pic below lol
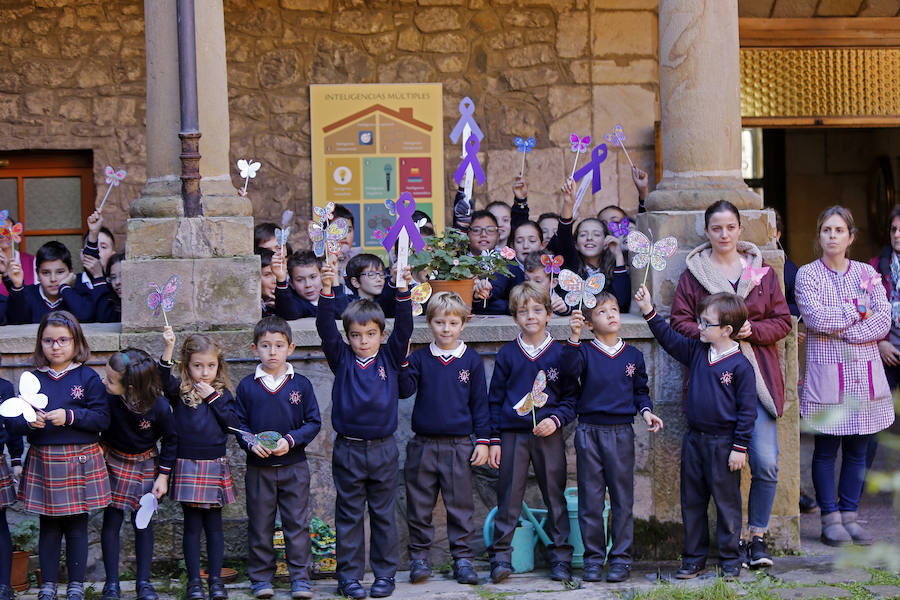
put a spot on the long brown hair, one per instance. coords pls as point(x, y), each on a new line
point(140, 378)
point(843, 213)
point(193, 344)
point(61, 318)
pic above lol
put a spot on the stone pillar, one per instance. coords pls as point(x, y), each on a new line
point(212, 254)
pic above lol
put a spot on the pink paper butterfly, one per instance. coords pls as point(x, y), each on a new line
point(619, 229)
point(4, 215)
point(536, 398)
point(753, 274)
point(163, 299)
point(868, 280)
point(114, 177)
point(580, 144)
point(616, 137)
point(380, 234)
point(581, 290)
point(551, 264)
point(12, 234)
point(653, 254)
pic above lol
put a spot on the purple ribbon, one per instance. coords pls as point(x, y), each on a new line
point(593, 165)
point(466, 110)
point(405, 206)
point(471, 158)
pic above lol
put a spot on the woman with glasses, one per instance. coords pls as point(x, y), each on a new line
point(726, 264)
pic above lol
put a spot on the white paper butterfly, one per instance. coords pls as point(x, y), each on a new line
point(145, 512)
point(29, 398)
point(248, 169)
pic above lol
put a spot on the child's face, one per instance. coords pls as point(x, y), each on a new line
point(589, 242)
point(532, 318)
point(605, 318)
point(269, 244)
point(503, 214)
point(272, 350)
point(483, 234)
point(538, 276)
point(611, 215)
point(115, 278)
point(712, 332)
point(112, 379)
point(527, 241)
point(58, 344)
point(307, 281)
point(204, 366)
point(365, 339)
point(446, 327)
point(370, 282)
point(549, 227)
point(51, 274)
point(267, 283)
point(106, 248)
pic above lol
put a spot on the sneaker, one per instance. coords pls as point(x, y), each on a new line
point(730, 573)
point(618, 573)
point(262, 589)
point(464, 572)
point(759, 558)
point(145, 591)
point(419, 570)
point(195, 590)
point(47, 591)
point(301, 588)
point(217, 590)
point(75, 590)
point(111, 591)
point(6, 592)
point(689, 571)
point(561, 571)
point(382, 588)
point(500, 571)
point(743, 553)
point(592, 572)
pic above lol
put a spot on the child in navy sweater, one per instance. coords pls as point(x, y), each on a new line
point(451, 405)
point(491, 295)
point(534, 437)
point(276, 399)
point(53, 292)
point(364, 415)
point(140, 417)
point(14, 445)
point(204, 412)
point(720, 408)
point(613, 390)
point(65, 476)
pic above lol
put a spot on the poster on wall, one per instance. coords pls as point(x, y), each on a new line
point(371, 143)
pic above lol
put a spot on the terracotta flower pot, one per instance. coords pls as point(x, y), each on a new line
point(464, 287)
point(18, 579)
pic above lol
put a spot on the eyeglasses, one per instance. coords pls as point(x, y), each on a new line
point(373, 274)
point(479, 230)
point(704, 325)
point(62, 342)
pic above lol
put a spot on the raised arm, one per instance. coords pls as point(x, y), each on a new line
point(332, 343)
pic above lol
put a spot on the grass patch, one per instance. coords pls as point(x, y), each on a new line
point(491, 595)
point(882, 577)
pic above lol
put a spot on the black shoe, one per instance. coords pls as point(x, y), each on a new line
point(618, 573)
point(382, 588)
point(145, 591)
point(217, 590)
point(47, 591)
point(419, 570)
point(111, 591)
point(500, 571)
point(592, 572)
point(6, 592)
point(464, 572)
point(807, 504)
point(689, 571)
point(351, 589)
point(759, 558)
point(561, 571)
point(75, 590)
point(729, 573)
point(744, 553)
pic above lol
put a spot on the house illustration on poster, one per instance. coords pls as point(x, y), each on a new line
point(378, 130)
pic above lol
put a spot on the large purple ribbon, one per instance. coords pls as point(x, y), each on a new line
point(471, 158)
point(466, 110)
point(405, 206)
point(593, 165)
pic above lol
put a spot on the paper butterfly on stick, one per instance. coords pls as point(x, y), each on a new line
point(647, 254)
point(420, 295)
point(324, 214)
point(752, 273)
point(579, 145)
point(391, 206)
point(281, 235)
point(619, 229)
point(524, 146)
point(536, 398)
point(552, 264)
point(148, 503)
point(617, 138)
point(27, 401)
point(4, 215)
point(113, 178)
point(581, 291)
point(163, 300)
point(12, 235)
point(867, 282)
point(328, 240)
point(266, 439)
point(248, 171)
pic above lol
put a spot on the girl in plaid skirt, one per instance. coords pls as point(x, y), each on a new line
point(64, 475)
point(13, 443)
point(142, 416)
point(204, 411)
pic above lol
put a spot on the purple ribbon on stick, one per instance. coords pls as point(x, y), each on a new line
point(405, 207)
point(466, 110)
point(471, 158)
point(593, 165)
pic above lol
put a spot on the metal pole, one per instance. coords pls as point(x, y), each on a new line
point(190, 127)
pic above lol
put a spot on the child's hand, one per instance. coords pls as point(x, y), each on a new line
point(92, 265)
point(576, 323)
point(641, 182)
point(737, 460)
point(482, 289)
point(169, 339)
point(653, 422)
point(405, 278)
point(281, 448)
point(70, 280)
point(568, 190)
point(260, 450)
point(520, 188)
point(16, 275)
point(204, 389)
point(39, 421)
point(279, 265)
point(160, 486)
point(544, 428)
point(329, 276)
point(557, 304)
point(614, 245)
point(494, 457)
point(642, 297)
point(94, 223)
point(56, 417)
point(479, 455)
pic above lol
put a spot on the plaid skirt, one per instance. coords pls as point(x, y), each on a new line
point(203, 483)
point(7, 486)
point(64, 479)
point(130, 476)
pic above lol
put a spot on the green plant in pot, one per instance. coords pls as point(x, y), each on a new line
point(451, 267)
point(24, 540)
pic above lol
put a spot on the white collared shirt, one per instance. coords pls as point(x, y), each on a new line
point(448, 354)
point(611, 350)
point(535, 351)
point(47, 300)
point(717, 356)
point(271, 382)
point(58, 374)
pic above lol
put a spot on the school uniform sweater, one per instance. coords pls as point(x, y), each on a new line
point(498, 301)
point(28, 305)
point(613, 386)
point(82, 395)
point(721, 394)
point(133, 433)
point(107, 304)
point(451, 396)
point(292, 305)
point(513, 378)
point(12, 441)
point(365, 393)
point(202, 430)
point(618, 282)
point(291, 410)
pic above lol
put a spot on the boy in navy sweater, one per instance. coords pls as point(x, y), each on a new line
point(364, 415)
point(613, 389)
point(275, 398)
point(491, 295)
point(720, 408)
point(451, 405)
point(534, 437)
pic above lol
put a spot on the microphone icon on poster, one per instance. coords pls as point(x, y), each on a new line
point(342, 175)
point(387, 177)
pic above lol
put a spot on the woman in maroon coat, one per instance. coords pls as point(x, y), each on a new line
point(725, 264)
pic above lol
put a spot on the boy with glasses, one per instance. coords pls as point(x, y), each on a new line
point(366, 277)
